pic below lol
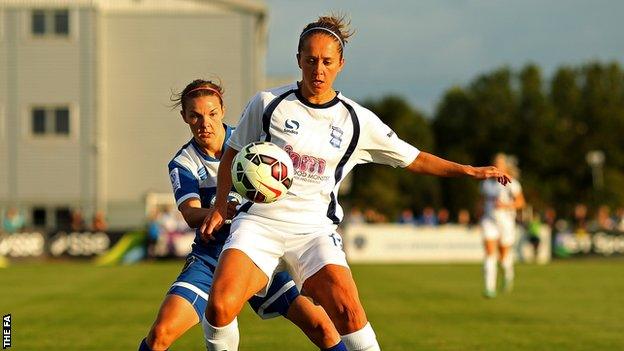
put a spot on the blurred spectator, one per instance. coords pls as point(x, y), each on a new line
point(428, 217)
point(372, 216)
point(619, 219)
point(355, 216)
point(579, 221)
point(13, 221)
point(98, 223)
point(153, 232)
point(463, 217)
point(407, 216)
point(77, 223)
point(533, 230)
point(443, 216)
point(603, 220)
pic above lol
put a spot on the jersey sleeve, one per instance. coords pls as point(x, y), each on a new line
point(380, 144)
point(249, 127)
point(184, 183)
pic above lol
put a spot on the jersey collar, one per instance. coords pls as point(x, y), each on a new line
point(305, 101)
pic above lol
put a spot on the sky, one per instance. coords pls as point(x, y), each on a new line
point(419, 48)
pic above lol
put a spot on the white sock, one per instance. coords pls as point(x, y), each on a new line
point(489, 272)
point(221, 338)
point(361, 340)
point(508, 267)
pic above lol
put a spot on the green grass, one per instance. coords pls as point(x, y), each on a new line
point(575, 305)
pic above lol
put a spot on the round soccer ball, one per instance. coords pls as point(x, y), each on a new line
point(262, 172)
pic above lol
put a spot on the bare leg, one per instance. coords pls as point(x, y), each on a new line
point(175, 317)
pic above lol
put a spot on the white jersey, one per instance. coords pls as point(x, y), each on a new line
point(494, 192)
point(324, 142)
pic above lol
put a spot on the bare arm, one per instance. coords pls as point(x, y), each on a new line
point(426, 163)
point(224, 184)
point(193, 213)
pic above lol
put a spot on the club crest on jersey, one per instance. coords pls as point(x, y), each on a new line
point(291, 126)
point(336, 137)
point(202, 173)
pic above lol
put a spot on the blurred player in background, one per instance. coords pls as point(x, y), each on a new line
point(326, 135)
point(193, 177)
point(500, 205)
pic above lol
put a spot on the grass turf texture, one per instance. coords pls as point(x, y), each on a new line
point(574, 305)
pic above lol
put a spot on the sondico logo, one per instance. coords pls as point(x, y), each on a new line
point(291, 126)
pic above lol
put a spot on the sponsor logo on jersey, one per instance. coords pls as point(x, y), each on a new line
point(203, 174)
point(307, 168)
point(175, 179)
point(291, 126)
point(336, 137)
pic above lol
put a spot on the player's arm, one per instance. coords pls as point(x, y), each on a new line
point(193, 213)
point(426, 163)
point(224, 184)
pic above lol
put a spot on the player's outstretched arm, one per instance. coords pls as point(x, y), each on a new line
point(426, 163)
point(224, 184)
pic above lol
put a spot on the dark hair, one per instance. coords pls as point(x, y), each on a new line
point(336, 23)
point(194, 89)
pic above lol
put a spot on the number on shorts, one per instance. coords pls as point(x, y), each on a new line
point(336, 239)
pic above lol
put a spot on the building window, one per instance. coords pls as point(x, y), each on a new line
point(50, 121)
point(50, 22)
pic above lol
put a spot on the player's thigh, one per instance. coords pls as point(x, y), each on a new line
point(507, 228)
point(489, 230)
point(237, 278)
point(281, 294)
point(333, 288)
point(175, 317)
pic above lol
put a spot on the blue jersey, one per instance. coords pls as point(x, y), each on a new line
point(193, 174)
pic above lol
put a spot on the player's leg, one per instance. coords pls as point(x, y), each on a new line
point(318, 260)
point(333, 288)
point(490, 242)
point(183, 306)
point(175, 317)
point(283, 298)
point(237, 279)
point(508, 231)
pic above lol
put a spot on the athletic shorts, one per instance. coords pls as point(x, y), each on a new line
point(502, 229)
point(268, 244)
point(196, 278)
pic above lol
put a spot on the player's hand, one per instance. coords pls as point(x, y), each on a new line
point(213, 222)
point(491, 172)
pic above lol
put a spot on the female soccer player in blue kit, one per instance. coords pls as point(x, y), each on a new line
point(193, 173)
point(331, 135)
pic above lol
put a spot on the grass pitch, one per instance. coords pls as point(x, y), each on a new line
point(573, 305)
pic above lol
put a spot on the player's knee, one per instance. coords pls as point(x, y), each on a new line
point(222, 309)
point(160, 337)
point(351, 318)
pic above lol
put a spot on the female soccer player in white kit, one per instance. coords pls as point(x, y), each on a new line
point(498, 225)
point(326, 135)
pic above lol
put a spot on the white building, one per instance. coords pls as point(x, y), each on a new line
point(85, 120)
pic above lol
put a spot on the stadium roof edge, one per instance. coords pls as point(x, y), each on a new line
point(256, 7)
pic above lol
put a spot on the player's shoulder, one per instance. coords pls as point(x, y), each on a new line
point(363, 113)
point(184, 157)
point(272, 93)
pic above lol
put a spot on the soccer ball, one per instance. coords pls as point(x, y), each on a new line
point(262, 172)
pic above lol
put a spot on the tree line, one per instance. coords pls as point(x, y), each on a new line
point(549, 126)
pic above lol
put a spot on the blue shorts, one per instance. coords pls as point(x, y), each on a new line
point(196, 278)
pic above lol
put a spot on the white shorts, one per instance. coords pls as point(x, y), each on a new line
point(501, 229)
point(270, 243)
